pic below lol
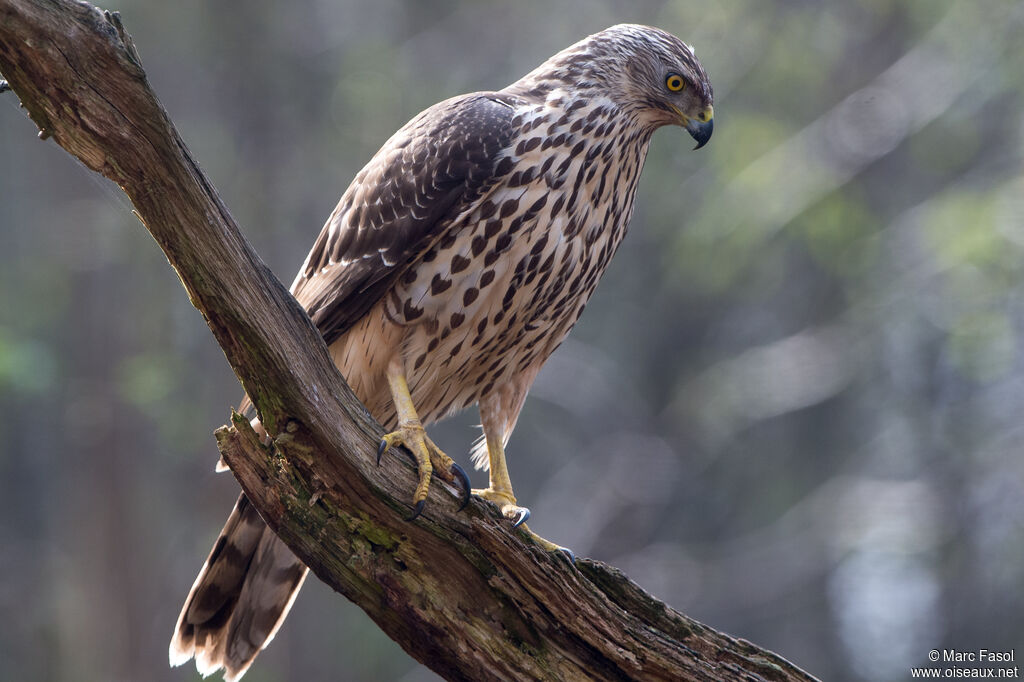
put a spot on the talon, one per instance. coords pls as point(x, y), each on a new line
point(568, 555)
point(386, 443)
point(463, 478)
point(417, 510)
point(524, 514)
point(428, 458)
point(429, 461)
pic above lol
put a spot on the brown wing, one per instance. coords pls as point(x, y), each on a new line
point(431, 171)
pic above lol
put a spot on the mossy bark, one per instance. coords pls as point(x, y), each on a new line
point(460, 592)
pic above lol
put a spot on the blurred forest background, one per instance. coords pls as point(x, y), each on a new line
point(794, 408)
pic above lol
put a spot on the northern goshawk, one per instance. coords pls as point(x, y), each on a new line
point(453, 266)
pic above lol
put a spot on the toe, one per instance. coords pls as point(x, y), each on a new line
point(442, 463)
point(417, 510)
point(393, 439)
point(519, 517)
point(429, 460)
point(463, 479)
point(550, 546)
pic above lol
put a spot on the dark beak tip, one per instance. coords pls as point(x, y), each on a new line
point(701, 132)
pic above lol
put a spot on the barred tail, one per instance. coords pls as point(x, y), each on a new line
point(240, 597)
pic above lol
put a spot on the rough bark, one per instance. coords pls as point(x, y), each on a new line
point(460, 592)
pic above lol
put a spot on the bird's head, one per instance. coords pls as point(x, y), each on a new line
point(662, 80)
point(651, 75)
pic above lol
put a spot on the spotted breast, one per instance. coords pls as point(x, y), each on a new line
point(489, 302)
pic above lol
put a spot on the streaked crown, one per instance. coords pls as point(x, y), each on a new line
point(646, 71)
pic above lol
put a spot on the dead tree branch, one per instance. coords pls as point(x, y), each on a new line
point(460, 592)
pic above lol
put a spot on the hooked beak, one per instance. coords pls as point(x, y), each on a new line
point(701, 128)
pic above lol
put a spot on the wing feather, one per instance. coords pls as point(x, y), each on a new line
point(429, 173)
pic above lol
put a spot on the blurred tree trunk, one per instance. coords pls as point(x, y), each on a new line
point(461, 592)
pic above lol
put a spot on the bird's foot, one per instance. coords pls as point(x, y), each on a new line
point(429, 459)
point(506, 502)
point(518, 515)
point(548, 545)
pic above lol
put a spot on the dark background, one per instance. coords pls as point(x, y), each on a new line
point(793, 408)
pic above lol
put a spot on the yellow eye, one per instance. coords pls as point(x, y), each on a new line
point(674, 82)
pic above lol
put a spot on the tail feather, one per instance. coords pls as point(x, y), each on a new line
point(240, 597)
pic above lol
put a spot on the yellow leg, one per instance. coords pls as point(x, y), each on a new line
point(429, 458)
point(500, 492)
point(500, 489)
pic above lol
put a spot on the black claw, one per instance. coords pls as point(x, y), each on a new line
point(381, 449)
point(417, 510)
point(462, 477)
point(4, 86)
point(523, 516)
point(568, 554)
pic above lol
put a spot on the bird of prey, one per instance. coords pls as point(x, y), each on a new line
point(453, 266)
